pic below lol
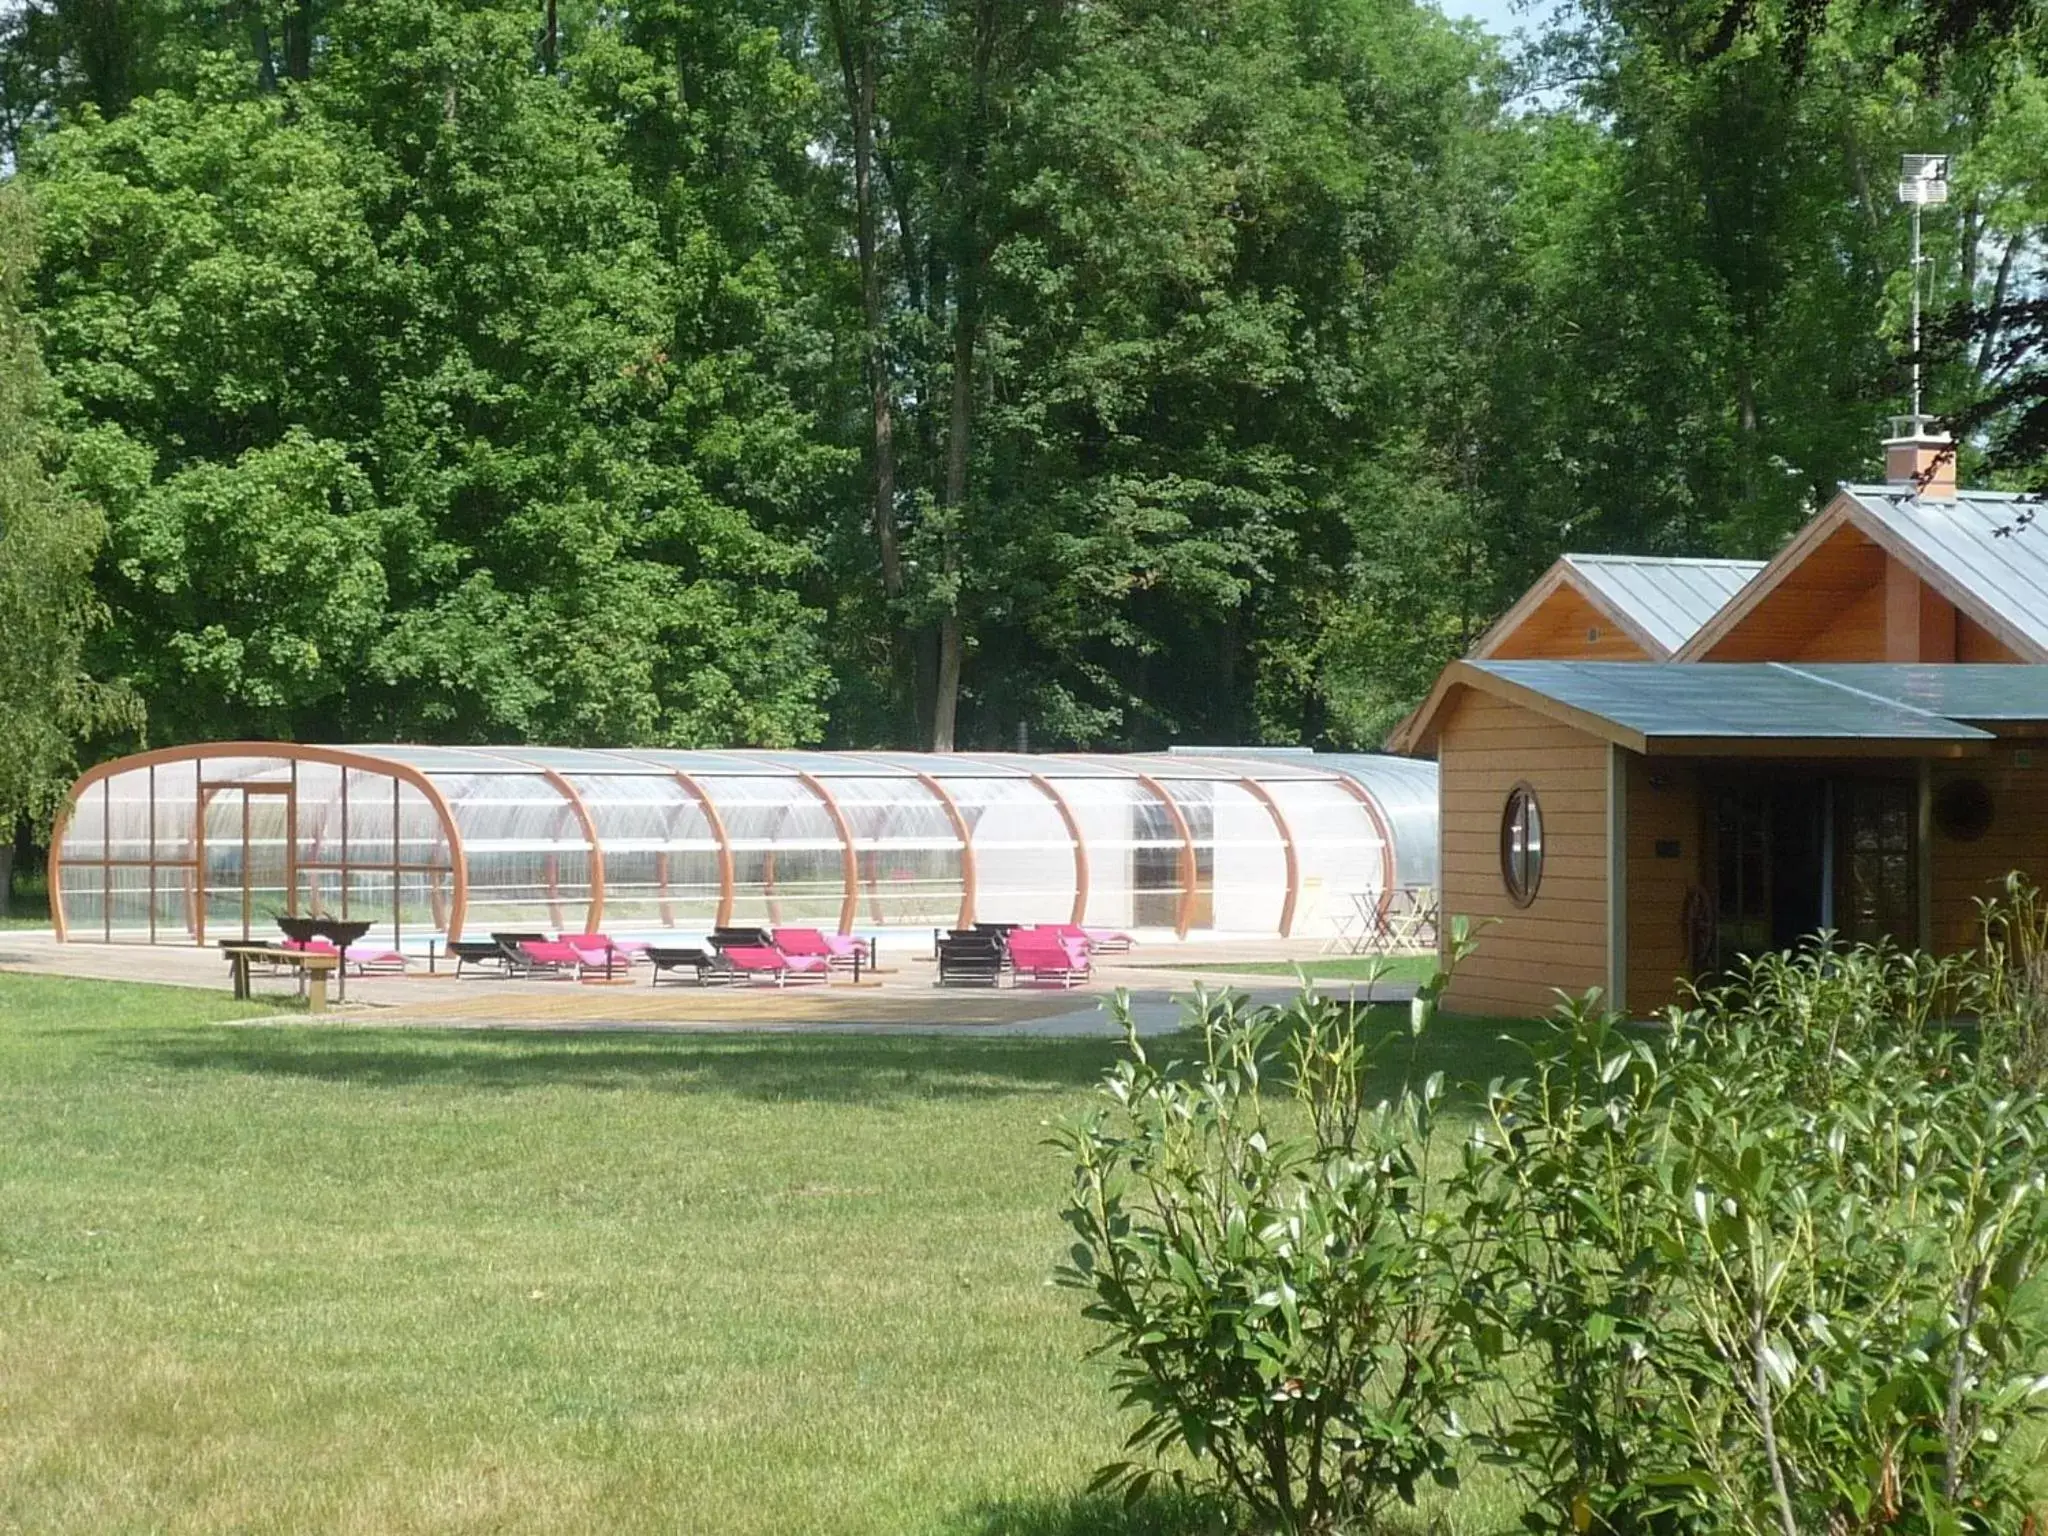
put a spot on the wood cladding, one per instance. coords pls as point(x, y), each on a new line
point(1560, 939)
point(1566, 626)
point(2017, 839)
point(1849, 600)
point(1663, 808)
point(1814, 596)
point(1976, 643)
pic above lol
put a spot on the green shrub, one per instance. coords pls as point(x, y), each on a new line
point(1778, 1271)
point(1288, 1298)
point(1773, 1268)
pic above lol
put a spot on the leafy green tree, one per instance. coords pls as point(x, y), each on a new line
point(49, 539)
point(393, 384)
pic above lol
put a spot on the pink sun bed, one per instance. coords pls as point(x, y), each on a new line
point(761, 963)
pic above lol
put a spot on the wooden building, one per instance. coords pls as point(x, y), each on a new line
point(1623, 825)
point(1912, 570)
point(1849, 744)
point(1614, 608)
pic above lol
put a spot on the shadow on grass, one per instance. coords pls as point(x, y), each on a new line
point(837, 1069)
point(849, 1069)
point(1157, 1514)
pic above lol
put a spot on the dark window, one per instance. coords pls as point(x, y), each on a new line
point(1521, 845)
point(1962, 810)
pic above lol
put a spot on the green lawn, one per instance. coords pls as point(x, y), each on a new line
point(291, 1277)
point(1392, 969)
point(28, 905)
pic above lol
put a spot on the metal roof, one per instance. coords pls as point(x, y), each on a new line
point(2005, 572)
point(1673, 702)
point(1980, 692)
point(1669, 599)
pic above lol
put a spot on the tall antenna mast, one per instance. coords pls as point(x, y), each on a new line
point(1923, 183)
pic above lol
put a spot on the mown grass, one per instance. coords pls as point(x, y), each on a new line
point(287, 1277)
point(28, 905)
point(1392, 969)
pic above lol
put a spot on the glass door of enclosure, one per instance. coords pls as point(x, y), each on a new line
point(246, 878)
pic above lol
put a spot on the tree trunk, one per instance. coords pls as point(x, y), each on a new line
point(959, 437)
point(299, 23)
point(857, 67)
point(966, 338)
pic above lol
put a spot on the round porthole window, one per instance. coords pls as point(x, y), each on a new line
point(1521, 845)
point(1962, 810)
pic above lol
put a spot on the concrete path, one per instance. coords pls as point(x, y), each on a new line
point(901, 999)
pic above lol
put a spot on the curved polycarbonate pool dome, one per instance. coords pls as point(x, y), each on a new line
point(192, 844)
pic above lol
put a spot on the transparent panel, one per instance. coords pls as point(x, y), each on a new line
point(1247, 875)
point(1024, 863)
point(128, 902)
point(908, 850)
point(661, 854)
point(1342, 856)
point(177, 911)
point(243, 886)
point(1134, 851)
point(529, 862)
point(788, 860)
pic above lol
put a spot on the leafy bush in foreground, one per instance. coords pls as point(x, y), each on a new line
point(1774, 1269)
point(1290, 1298)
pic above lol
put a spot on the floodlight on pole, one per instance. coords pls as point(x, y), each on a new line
point(1923, 183)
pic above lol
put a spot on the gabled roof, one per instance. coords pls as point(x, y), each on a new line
point(1668, 598)
point(1657, 601)
point(1753, 708)
point(2005, 572)
point(1999, 579)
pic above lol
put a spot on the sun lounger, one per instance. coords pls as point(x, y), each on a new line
point(629, 951)
point(1046, 956)
point(704, 966)
point(766, 963)
point(841, 952)
point(1106, 940)
point(379, 958)
point(743, 938)
point(546, 957)
point(478, 952)
point(970, 959)
point(601, 955)
point(516, 963)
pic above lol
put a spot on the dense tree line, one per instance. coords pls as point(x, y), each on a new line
point(909, 371)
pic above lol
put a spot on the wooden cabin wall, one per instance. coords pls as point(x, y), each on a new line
point(1567, 627)
point(1976, 643)
point(1817, 596)
point(2017, 776)
point(1663, 831)
point(1856, 633)
point(1487, 747)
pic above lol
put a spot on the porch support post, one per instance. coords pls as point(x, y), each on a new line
point(1617, 878)
point(1923, 856)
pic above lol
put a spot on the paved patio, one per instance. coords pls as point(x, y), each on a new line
point(902, 997)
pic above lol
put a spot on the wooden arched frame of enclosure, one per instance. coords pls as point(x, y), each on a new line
point(849, 861)
point(962, 834)
point(1073, 826)
point(1386, 835)
point(716, 823)
point(593, 913)
point(1264, 796)
point(287, 752)
point(1184, 915)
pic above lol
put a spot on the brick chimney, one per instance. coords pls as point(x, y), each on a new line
point(1920, 458)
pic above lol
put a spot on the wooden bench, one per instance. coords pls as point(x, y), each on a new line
point(314, 967)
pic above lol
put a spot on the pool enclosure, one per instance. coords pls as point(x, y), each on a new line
point(198, 843)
